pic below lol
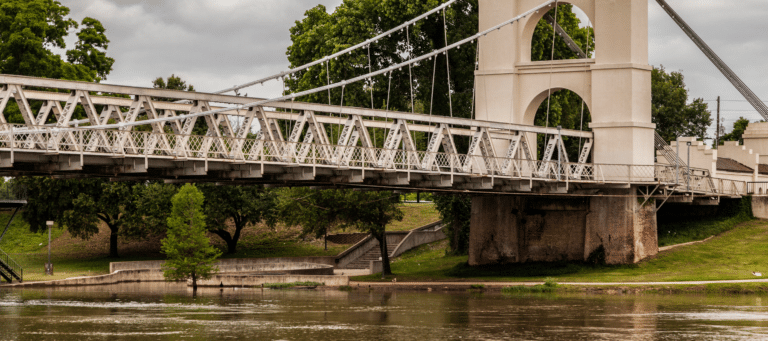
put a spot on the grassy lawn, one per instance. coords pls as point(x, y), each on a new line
point(416, 215)
point(729, 256)
point(695, 230)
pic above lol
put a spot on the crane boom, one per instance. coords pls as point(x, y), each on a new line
point(732, 77)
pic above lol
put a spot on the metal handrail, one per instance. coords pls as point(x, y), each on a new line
point(15, 269)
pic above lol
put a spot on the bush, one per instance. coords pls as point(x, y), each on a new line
point(521, 289)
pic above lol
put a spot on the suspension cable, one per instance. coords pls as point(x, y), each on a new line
point(410, 69)
point(586, 63)
point(263, 102)
point(551, 64)
point(341, 106)
point(432, 94)
point(370, 84)
point(370, 70)
point(448, 65)
point(474, 86)
point(343, 52)
point(328, 73)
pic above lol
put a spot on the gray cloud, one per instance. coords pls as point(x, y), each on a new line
point(211, 44)
point(216, 44)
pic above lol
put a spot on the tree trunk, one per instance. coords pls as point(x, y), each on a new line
point(455, 225)
point(194, 283)
point(239, 226)
point(385, 269)
point(113, 228)
point(231, 242)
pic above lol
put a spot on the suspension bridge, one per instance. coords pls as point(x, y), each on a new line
point(525, 199)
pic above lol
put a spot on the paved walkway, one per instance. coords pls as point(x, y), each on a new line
point(506, 284)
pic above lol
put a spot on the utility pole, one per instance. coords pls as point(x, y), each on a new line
point(717, 126)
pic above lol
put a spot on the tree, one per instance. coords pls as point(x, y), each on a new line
point(29, 29)
point(79, 205)
point(151, 202)
point(176, 83)
point(673, 115)
point(190, 254)
point(455, 211)
point(319, 211)
point(316, 211)
point(371, 212)
point(172, 83)
point(90, 50)
point(739, 127)
point(243, 205)
point(321, 34)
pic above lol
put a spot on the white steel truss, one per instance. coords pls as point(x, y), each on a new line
point(307, 143)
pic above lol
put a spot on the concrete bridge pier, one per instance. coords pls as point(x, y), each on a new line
point(516, 229)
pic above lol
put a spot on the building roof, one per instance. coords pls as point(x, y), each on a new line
point(762, 169)
point(731, 165)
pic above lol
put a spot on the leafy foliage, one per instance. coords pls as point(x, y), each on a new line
point(151, 205)
point(673, 115)
point(739, 127)
point(90, 50)
point(455, 210)
point(190, 254)
point(132, 210)
point(318, 211)
point(243, 205)
point(176, 83)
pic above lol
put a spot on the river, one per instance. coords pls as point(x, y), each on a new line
point(160, 311)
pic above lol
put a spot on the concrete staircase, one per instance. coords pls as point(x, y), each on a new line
point(373, 254)
point(361, 255)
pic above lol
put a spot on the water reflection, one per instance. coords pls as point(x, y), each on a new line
point(165, 311)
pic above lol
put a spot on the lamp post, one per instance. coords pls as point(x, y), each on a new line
point(49, 266)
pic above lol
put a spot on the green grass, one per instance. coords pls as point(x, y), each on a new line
point(731, 213)
point(696, 230)
point(18, 239)
point(292, 285)
point(274, 244)
point(730, 256)
point(416, 215)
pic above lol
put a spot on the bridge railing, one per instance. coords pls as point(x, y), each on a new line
point(224, 148)
point(15, 269)
point(759, 188)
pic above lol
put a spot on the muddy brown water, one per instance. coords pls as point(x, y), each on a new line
point(160, 311)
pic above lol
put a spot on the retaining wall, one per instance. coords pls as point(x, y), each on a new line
point(227, 265)
point(122, 276)
point(245, 280)
point(417, 238)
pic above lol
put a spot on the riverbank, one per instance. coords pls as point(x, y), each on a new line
point(732, 255)
point(755, 287)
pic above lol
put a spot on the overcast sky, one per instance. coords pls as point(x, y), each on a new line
point(217, 44)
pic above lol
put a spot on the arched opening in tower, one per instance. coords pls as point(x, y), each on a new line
point(574, 36)
point(566, 109)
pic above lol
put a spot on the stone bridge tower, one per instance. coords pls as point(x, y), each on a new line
point(616, 87)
